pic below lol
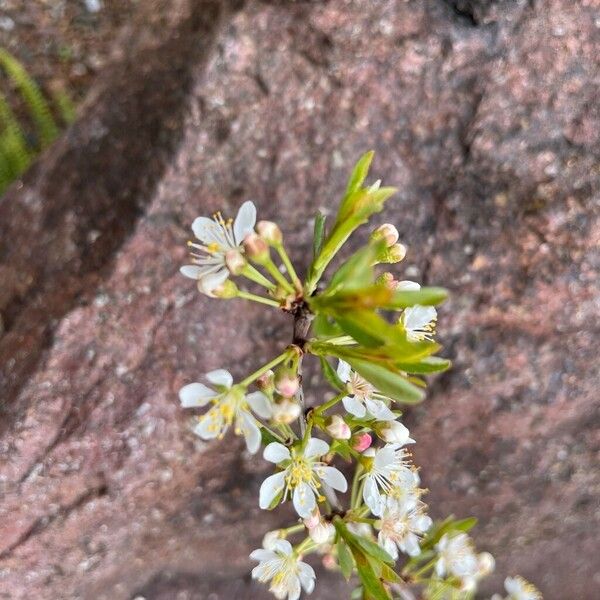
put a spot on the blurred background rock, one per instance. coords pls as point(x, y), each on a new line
point(483, 113)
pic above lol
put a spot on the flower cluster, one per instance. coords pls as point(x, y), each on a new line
point(343, 463)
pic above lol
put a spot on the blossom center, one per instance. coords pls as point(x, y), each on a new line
point(300, 471)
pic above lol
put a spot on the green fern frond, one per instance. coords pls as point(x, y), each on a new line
point(15, 156)
point(33, 98)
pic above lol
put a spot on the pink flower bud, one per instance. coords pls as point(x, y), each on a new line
point(338, 429)
point(287, 385)
point(256, 248)
point(361, 442)
point(329, 562)
point(386, 232)
point(270, 232)
point(235, 261)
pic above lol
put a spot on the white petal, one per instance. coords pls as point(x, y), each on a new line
point(282, 546)
point(244, 222)
point(210, 425)
point(276, 453)
point(250, 430)
point(333, 477)
point(379, 410)
point(440, 567)
point(423, 523)
point(388, 545)
point(263, 555)
point(343, 371)
point(316, 448)
point(269, 489)
point(411, 545)
point(416, 317)
point(407, 286)
point(207, 284)
point(371, 496)
point(293, 588)
point(304, 500)
point(220, 377)
point(207, 231)
point(191, 271)
point(195, 394)
point(306, 574)
point(260, 404)
point(354, 406)
point(384, 457)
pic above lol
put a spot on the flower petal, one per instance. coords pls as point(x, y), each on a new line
point(293, 588)
point(304, 500)
point(282, 546)
point(207, 231)
point(207, 284)
point(379, 410)
point(276, 453)
point(260, 404)
point(269, 489)
point(195, 394)
point(220, 377)
point(333, 477)
point(210, 425)
point(416, 317)
point(388, 545)
point(354, 406)
point(244, 222)
point(371, 496)
point(191, 271)
point(411, 544)
point(251, 431)
point(263, 555)
point(343, 371)
point(306, 574)
point(316, 448)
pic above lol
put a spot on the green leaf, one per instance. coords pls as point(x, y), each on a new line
point(430, 364)
point(427, 296)
point(319, 233)
point(464, 525)
point(360, 172)
point(324, 326)
point(373, 549)
point(330, 375)
point(345, 559)
point(369, 579)
point(387, 382)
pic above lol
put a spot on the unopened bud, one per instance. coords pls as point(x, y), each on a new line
point(394, 432)
point(387, 232)
point(235, 261)
point(256, 248)
point(485, 564)
point(270, 232)
point(286, 411)
point(226, 290)
point(408, 286)
point(394, 254)
point(338, 429)
point(361, 442)
point(265, 382)
point(206, 285)
point(387, 279)
point(329, 562)
point(286, 382)
point(319, 530)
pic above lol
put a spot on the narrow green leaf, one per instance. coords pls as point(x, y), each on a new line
point(360, 172)
point(369, 579)
point(373, 549)
point(430, 364)
point(427, 296)
point(319, 233)
point(330, 375)
point(345, 559)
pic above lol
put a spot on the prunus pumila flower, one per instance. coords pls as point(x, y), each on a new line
point(341, 459)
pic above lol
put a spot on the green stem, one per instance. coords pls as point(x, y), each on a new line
point(285, 259)
point(356, 486)
point(429, 565)
point(277, 275)
point(275, 435)
point(254, 275)
point(257, 298)
point(279, 359)
point(330, 403)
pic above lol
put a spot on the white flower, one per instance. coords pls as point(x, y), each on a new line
point(218, 237)
point(363, 396)
point(280, 565)
point(457, 557)
point(301, 477)
point(389, 469)
point(520, 589)
point(230, 406)
point(419, 322)
point(402, 525)
point(394, 432)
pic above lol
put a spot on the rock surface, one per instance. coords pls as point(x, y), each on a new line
point(482, 113)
